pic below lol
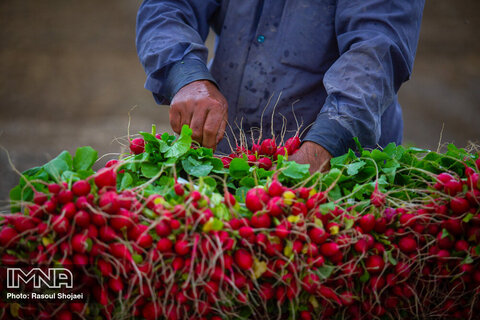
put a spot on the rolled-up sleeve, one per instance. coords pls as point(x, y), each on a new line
point(172, 33)
point(377, 41)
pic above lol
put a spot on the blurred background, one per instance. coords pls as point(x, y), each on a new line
point(70, 77)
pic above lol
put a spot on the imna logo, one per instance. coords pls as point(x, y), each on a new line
point(53, 278)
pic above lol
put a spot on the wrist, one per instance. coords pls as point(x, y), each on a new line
point(186, 72)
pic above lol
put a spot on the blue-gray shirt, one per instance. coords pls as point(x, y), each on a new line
point(333, 67)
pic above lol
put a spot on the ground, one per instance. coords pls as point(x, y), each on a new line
point(69, 77)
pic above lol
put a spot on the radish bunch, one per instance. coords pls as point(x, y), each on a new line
point(261, 155)
point(387, 234)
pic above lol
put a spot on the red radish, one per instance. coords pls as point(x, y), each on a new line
point(111, 163)
point(174, 224)
point(367, 222)
point(251, 158)
point(473, 196)
point(243, 259)
point(115, 284)
point(292, 144)
point(361, 246)
point(122, 220)
point(8, 259)
point(60, 224)
point(347, 298)
point(54, 188)
point(68, 210)
point(256, 149)
point(107, 234)
point(444, 177)
point(108, 202)
point(305, 315)
point(104, 267)
point(8, 237)
point(461, 245)
point(226, 162)
point(318, 235)
point(311, 282)
point(63, 315)
point(329, 249)
point(182, 247)
point(299, 208)
point(377, 283)
point(152, 311)
point(229, 200)
point(137, 146)
point(256, 199)
point(374, 264)
point(282, 231)
point(77, 307)
point(179, 190)
point(452, 187)
point(407, 219)
point(459, 205)
point(380, 225)
point(80, 243)
point(106, 177)
point(164, 245)
point(81, 188)
point(281, 151)
point(473, 181)
point(39, 198)
point(98, 219)
point(135, 231)
point(163, 228)
point(261, 221)
point(275, 206)
point(328, 294)
point(378, 248)
point(119, 250)
point(303, 193)
point(145, 240)
point(377, 198)
point(178, 263)
point(245, 232)
point(50, 206)
point(454, 226)
point(443, 255)
point(268, 147)
point(80, 260)
point(265, 163)
point(65, 196)
point(297, 246)
point(407, 244)
point(22, 223)
point(82, 203)
point(267, 291)
point(275, 189)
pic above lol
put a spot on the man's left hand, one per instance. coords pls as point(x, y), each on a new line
point(314, 154)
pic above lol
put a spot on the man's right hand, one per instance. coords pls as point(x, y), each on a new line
point(200, 105)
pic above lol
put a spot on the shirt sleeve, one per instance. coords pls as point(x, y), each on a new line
point(171, 35)
point(377, 41)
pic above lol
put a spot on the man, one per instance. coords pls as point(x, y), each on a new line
point(332, 66)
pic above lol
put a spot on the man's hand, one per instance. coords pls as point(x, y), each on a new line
point(200, 105)
point(314, 154)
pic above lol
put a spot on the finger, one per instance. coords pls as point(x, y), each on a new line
point(175, 119)
point(221, 130)
point(213, 125)
point(197, 124)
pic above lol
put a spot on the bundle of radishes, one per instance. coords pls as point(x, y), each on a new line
point(172, 232)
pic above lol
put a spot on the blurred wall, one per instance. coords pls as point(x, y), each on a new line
point(69, 76)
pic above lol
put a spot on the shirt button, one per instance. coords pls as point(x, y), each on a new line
point(260, 39)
